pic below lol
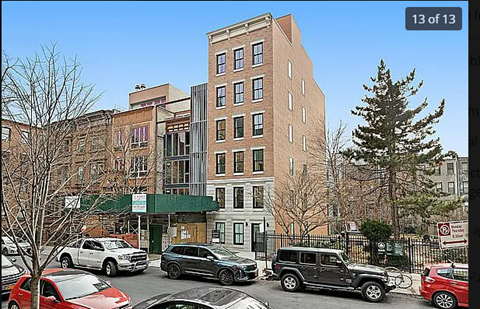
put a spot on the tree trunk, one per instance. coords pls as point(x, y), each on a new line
point(35, 290)
point(392, 187)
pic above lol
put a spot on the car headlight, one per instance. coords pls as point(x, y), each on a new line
point(124, 257)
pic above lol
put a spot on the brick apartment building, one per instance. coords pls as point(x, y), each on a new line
point(262, 102)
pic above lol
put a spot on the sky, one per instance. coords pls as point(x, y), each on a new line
point(120, 44)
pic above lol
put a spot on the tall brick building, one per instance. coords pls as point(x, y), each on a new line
point(262, 103)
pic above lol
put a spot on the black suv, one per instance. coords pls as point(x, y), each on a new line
point(300, 267)
point(207, 260)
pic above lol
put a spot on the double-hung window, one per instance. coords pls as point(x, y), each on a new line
point(238, 63)
point(238, 233)
point(221, 96)
point(238, 126)
point(238, 87)
point(220, 197)
point(257, 53)
point(139, 137)
point(258, 88)
point(238, 160)
point(6, 133)
point(238, 197)
point(257, 124)
point(258, 197)
point(220, 168)
point(258, 160)
point(221, 60)
point(221, 130)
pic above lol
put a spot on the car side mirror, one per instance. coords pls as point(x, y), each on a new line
point(211, 258)
point(13, 260)
point(339, 263)
point(51, 299)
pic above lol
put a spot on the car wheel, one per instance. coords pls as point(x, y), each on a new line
point(13, 305)
point(173, 271)
point(111, 269)
point(66, 262)
point(226, 277)
point(373, 291)
point(5, 251)
point(444, 300)
point(290, 283)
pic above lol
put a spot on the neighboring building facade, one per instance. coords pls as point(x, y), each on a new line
point(451, 176)
point(262, 102)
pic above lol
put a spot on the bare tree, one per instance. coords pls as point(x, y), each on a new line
point(300, 199)
point(43, 98)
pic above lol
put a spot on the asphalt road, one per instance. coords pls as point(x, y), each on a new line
point(153, 281)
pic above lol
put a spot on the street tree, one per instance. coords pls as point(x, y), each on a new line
point(42, 99)
point(396, 141)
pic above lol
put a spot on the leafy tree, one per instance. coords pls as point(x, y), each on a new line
point(375, 230)
point(395, 143)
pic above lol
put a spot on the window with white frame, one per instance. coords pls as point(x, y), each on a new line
point(138, 166)
point(291, 169)
point(304, 143)
point(221, 60)
point(118, 139)
point(80, 175)
point(290, 101)
point(439, 187)
point(25, 136)
point(257, 53)
point(451, 187)
point(303, 86)
point(258, 88)
point(139, 137)
point(257, 120)
point(238, 63)
point(6, 133)
point(289, 69)
point(81, 145)
point(290, 133)
point(238, 98)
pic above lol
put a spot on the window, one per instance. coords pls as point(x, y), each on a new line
point(460, 274)
point(221, 101)
point(81, 145)
point(118, 139)
point(290, 101)
point(220, 197)
point(221, 59)
point(94, 143)
point(238, 197)
point(451, 187)
point(238, 93)
point(100, 143)
point(289, 70)
point(139, 137)
point(308, 258)
point(304, 115)
point(191, 251)
point(118, 164)
point(258, 88)
point(291, 166)
point(80, 175)
point(177, 144)
point(220, 163)
point(178, 250)
point(438, 170)
point(238, 234)
point(329, 260)
point(258, 197)
point(238, 127)
point(238, 159)
point(221, 227)
point(445, 272)
point(238, 54)
point(287, 256)
point(67, 145)
point(257, 53)
point(292, 228)
point(304, 139)
point(257, 124)
point(93, 171)
point(25, 136)
point(439, 187)
point(26, 285)
point(290, 133)
point(138, 166)
point(258, 160)
point(221, 130)
point(303, 86)
point(449, 168)
point(6, 133)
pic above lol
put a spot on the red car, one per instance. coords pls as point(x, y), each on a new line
point(445, 285)
point(69, 288)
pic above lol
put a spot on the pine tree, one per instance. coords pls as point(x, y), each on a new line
point(400, 147)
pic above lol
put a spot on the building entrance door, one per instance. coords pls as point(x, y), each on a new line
point(156, 238)
point(255, 230)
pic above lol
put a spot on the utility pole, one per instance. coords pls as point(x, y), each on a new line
point(265, 241)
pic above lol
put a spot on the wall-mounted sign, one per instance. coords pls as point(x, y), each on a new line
point(139, 203)
point(72, 201)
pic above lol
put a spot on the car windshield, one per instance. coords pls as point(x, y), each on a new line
point(81, 286)
point(7, 240)
point(116, 244)
point(222, 252)
point(346, 259)
point(249, 303)
point(6, 262)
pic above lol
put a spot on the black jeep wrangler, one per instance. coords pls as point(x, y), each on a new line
point(300, 267)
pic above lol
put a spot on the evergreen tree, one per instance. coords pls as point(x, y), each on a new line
point(396, 144)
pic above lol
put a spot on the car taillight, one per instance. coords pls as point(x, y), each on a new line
point(429, 279)
point(277, 266)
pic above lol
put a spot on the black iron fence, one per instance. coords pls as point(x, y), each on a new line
point(408, 254)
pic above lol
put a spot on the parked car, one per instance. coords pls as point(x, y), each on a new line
point(9, 247)
point(11, 273)
point(69, 288)
point(207, 260)
point(108, 254)
point(445, 285)
point(204, 298)
point(301, 267)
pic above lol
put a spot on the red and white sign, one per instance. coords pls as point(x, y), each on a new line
point(453, 234)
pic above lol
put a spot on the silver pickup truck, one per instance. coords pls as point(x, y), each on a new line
point(107, 254)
